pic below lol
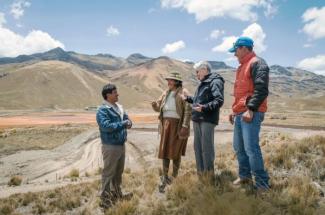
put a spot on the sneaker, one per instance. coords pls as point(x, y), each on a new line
point(127, 196)
point(169, 180)
point(163, 183)
point(123, 196)
point(161, 188)
point(107, 200)
point(240, 181)
point(105, 204)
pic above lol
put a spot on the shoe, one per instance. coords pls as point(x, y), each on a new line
point(108, 199)
point(123, 196)
point(105, 204)
point(169, 180)
point(164, 181)
point(240, 181)
point(127, 196)
point(161, 188)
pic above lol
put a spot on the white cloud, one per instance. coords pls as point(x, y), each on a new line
point(253, 31)
point(314, 20)
point(236, 9)
point(13, 44)
point(256, 32)
point(315, 64)
point(2, 19)
point(215, 34)
point(18, 8)
point(112, 31)
point(227, 43)
point(308, 45)
point(173, 47)
point(270, 8)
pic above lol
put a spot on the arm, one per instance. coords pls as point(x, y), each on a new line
point(156, 104)
point(187, 115)
point(126, 117)
point(217, 94)
point(106, 124)
point(189, 99)
point(260, 77)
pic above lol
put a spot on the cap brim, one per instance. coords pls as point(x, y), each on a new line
point(175, 79)
point(232, 50)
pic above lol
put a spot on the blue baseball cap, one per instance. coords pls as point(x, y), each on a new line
point(242, 41)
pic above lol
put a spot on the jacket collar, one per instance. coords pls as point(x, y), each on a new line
point(207, 78)
point(247, 57)
point(111, 107)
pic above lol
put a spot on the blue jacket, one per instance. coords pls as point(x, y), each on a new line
point(111, 127)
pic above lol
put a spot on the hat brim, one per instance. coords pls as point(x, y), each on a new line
point(172, 78)
point(232, 50)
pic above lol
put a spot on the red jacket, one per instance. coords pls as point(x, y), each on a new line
point(245, 87)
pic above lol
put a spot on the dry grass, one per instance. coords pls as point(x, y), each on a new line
point(314, 119)
point(124, 207)
point(293, 188)
point(58, 201)
point(15, 180)
point(13, 140)
point(74, 173)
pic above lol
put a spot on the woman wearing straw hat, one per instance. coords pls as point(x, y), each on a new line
point(174, 117)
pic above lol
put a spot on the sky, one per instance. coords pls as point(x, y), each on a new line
point(285, 32)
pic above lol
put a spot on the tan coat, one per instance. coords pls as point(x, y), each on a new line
point(183, 109)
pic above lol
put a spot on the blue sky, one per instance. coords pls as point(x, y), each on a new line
point(286, 32)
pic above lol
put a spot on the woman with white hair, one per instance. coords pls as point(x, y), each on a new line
point(207, 102)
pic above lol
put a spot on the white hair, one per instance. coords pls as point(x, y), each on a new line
point(202, 64)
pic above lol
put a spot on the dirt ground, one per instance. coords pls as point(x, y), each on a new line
point(21, 119)
point(314, 120)
point(44, 169)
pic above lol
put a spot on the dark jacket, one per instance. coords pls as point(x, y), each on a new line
point(260, 77)
point(112, 127)
point(209, 94)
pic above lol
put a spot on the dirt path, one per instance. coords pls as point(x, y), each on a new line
point(48, 169)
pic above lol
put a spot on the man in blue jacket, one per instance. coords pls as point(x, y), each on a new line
point(113, 123)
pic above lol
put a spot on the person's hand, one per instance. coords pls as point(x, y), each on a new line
point(154, 104)
point(128, 124)
point(198, 108)
point(231, 118)
point(248, 116)
point(183, 95)
point(183, 132)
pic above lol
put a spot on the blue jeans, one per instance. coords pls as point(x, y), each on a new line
point(248, 151)
point(204, 146)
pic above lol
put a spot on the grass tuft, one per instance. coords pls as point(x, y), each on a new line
point(15, 180)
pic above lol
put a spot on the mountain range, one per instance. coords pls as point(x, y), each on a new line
point(61, 79)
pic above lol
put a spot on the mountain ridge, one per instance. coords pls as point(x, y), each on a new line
point(71, 84)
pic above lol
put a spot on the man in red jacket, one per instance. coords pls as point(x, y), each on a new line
point(250, 91)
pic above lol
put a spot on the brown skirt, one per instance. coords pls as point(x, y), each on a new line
point(171, 147)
